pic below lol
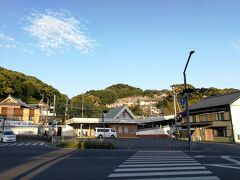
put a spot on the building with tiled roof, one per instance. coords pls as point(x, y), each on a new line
point(216, 118)
point(15, 109)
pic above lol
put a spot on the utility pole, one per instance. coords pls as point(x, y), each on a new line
point(66, 110)
point(3, 123)
point(42, 100)
point(54, 104)
point(82, 105)
point(103, 126)
point(47, 109)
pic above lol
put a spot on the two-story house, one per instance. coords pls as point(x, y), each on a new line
point(15, 109)
point(216, 118)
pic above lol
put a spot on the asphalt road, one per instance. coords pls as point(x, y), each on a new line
point(37, 160)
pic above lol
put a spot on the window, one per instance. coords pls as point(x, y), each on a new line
point(238, 136)
point(203, 117)
point(8, 133)
point(192, 118)
point(102, 130)
point(220, 132)
point(112, 130)
point(220, 116)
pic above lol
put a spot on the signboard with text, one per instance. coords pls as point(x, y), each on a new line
point(16, 123)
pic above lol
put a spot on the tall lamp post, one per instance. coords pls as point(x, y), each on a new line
point(186, 99)
point(175, 109)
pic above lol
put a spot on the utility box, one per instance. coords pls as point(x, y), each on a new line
point(59, 131)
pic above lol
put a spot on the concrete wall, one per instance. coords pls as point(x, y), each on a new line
point(25, 130)
point(163, 130)
point(150, 132)
point(235, 112)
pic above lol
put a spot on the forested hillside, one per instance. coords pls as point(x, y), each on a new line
point(28, 89)
point(93, 102)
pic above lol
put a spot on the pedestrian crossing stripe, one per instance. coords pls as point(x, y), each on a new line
point(163, 165)
point(160, 173)
point(157, 162)
point(18, 144)
point(158, 169)
point(184, 178)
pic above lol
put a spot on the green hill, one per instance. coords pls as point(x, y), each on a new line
point(95, 101)
point(91, 103)
point(29, 89)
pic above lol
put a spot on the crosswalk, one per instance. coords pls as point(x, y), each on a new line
point(162, 165)
point(18, 144)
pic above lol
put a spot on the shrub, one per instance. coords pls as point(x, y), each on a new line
point(68, 144)
point(87, 144)
point(96, 145)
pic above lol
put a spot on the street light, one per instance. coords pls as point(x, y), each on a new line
point(186, 99)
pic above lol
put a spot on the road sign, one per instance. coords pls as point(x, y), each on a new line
point(182, 101)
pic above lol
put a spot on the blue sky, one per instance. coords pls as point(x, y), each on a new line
point(76, 46)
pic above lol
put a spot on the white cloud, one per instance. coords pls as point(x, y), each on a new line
point(58, 31)
point(4, 37)
point(7, 41)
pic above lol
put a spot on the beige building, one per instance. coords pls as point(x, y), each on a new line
point(14, 109)
point(216, 118)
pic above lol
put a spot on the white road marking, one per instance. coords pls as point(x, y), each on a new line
point(164, 165)
point(159, 173)
point(13, 144)
point(151, 157)
point(159, 169)
point(27, 144)
point(200, 156)
point(160, 162)
point(136, 160)
point(20, 144)
point(231, 160)
point(230, 166)
point(154, 165)
point(184, 178)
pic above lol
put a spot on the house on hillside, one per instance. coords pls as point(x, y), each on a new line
point(121, 119)
point(215, 118)
point(15, 109)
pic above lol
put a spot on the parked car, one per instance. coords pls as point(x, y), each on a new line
point(7, 136)
point(105, 132)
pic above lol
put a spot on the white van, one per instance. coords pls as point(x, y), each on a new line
point(7, 136)
point(105, 132)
